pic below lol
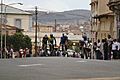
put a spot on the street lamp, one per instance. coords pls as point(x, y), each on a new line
point(1, 26)
point(5, 18)
point(36, 28)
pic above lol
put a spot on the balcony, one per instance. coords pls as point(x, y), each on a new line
point(110, 1)
point(114, 5)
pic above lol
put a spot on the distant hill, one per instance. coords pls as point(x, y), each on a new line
point(66, 17)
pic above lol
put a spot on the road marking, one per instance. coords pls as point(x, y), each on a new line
point(82, 61)
point(29, 65)
point(110, 78)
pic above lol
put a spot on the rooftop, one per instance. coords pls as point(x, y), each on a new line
point(12, 10)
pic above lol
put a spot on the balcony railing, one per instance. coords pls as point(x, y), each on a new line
point(110, 1)
point(114, 5)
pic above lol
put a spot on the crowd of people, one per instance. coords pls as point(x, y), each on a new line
point(10, 53)
point(106, 49)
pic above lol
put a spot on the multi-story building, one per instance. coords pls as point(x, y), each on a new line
point(114, 5)
point(103, 21)
point(16, 17)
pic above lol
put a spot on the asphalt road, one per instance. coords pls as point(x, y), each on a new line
point(58, 69)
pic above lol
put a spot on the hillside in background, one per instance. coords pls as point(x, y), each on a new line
point(66, 17)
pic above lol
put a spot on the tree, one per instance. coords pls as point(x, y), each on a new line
point(18, 41)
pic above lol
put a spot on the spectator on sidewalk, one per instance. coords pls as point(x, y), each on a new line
point(105, 49)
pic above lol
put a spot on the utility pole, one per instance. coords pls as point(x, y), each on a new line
point(55, 25)
point(1, 27)
point(36, 24)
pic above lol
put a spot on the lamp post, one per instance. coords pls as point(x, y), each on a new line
point(1, 27)
point(36, 28)
point(5, 18)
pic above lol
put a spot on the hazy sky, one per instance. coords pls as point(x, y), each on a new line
point(52, 5)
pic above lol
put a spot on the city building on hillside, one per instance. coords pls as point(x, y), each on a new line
point(43, 28)
point(16, 17)
point(103, 20)
point(114, 5)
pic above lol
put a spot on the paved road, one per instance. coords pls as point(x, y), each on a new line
point(59, 69)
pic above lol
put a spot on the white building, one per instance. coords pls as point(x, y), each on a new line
point(16, 17)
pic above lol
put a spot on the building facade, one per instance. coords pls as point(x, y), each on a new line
point(114, 5)
point(10, 30)
point(16, 17)
point(43, 28)
point(103, 20)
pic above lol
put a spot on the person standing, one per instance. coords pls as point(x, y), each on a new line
point(105, 49)
point(98, 50)
point(114, 46)
point(21, 53)
point(110, 41)
point(94, 50)
point(118, 48)
point(11, 52)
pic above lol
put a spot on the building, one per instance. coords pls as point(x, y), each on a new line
point(43, 28)
point(114, 5)
point(10, 30)
point(103, 20)
point(16, 17)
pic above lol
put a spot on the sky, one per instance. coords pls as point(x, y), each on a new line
point(51, 5)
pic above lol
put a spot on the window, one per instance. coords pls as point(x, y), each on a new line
point(18, 23)
point(119, 34)
point(119, 17)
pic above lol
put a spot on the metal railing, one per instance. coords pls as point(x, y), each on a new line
point(110, 1)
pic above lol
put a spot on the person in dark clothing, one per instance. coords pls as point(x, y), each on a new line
point(63, 42)
point(44, 44)
point(84, 49)
point(81, 45)
point(105, 49)
point(94, 49)
point(110, 42)
point(117, 52)
point(98, 51)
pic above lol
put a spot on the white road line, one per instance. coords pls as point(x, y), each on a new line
point(110, 78)
point(81, 61)
point(29, 65)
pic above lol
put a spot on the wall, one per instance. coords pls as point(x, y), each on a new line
point(26, 21)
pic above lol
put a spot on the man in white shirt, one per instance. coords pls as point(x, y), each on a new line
point(114, 45)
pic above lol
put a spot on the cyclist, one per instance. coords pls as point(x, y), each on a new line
point(63, 43)
point(44, 44)
point(52, 44)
